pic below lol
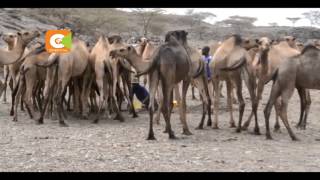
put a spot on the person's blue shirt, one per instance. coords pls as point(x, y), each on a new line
point(207, 60)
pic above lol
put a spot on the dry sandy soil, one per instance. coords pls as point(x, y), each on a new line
point(114, 146)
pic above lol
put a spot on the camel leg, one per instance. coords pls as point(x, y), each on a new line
point(127, 95)
point(238, 82)
point(167, 90)
point(183, 108)
point(5, 85)
point(275, 93)
point(216, 102)
point(229, 100)
point(202, 86)
point(62, 85)
point(16, 95)
point(285, 96)
point(260, 88)
point(308, 104)
point(305, 102)
point(153, 84)
point(277, 107)
point(160, 98)
point(76, 95)
point(30, 83)
point(115, 72)
point(102, 98)
point(86, 87)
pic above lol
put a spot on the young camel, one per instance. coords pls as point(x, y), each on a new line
point(31, 77)
point(9, 57)
point(73, 64)
point(300, 71)
point(230, 64)
point(266, 61)
point(170, 64)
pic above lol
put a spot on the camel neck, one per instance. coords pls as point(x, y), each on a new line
point(264, 56)
point(10, 57)
point(137, 62)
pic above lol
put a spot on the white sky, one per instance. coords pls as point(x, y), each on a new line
point(264, 15)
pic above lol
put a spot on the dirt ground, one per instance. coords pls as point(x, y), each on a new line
point(114, 146)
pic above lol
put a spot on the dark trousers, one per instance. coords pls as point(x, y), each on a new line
point(142, 94)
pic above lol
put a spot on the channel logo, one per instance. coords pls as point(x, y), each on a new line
point(58, 41)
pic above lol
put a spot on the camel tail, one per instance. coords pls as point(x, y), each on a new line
point(273, 77)
point(200, 69)
point(50, 62)
point(235, 66)
point(152, 66)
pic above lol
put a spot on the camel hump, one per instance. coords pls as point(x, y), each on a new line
point(308, 48)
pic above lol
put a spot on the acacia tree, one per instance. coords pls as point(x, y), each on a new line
point(273, 24)
point(145, 16)
point(293, 20)
point(238, 22)
point(195, 21)
point(313, 17)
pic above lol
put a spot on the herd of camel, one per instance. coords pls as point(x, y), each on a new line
point(94, 81)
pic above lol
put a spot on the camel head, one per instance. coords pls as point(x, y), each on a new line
point(264, 43)
point(249, 43)
point(290, 40)
point(122, 52)
point(9, 38)
point(28, 36)
point(115, 39)
point(179, 35)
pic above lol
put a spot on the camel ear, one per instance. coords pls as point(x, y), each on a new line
point(129, 48)
point(19, 33)
point(257, 41)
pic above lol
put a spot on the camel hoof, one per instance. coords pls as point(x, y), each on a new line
point(63, 124)
point(295, 138)
point(232, 125)
point(172, 136)
point(257, 132)
point(209, 123)
point(11, 113)
point(215, 127)
point(238, 130)
point(199, 128)
point(95, 121)
point(39, 121)
point(187, 132)
point(268, 137)
point(15, 119)
point(244, 128)
point(120, 118)
point(301, 127)
point(277, 130)
point(165, 131)
point(151, 138)
point(135, 116)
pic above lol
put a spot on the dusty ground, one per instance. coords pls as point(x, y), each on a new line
point(114, 146)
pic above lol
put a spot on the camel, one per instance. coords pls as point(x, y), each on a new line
point(300, 71)
point(72, 65)
point(99, 60)
point(169, 65)
point(31, 79)
point(230, 64)
point(23, 39)
point(266, 61)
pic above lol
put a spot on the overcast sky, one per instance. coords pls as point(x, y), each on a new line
point(264, 15)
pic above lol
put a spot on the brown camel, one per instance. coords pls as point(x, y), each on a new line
point(71, 65)
point(170, 65)
point(23, 39)
point(300, 71)
point(9, 57)
point(267, 60)
point(99, 60)
point(31, 79)
point(230, 64)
